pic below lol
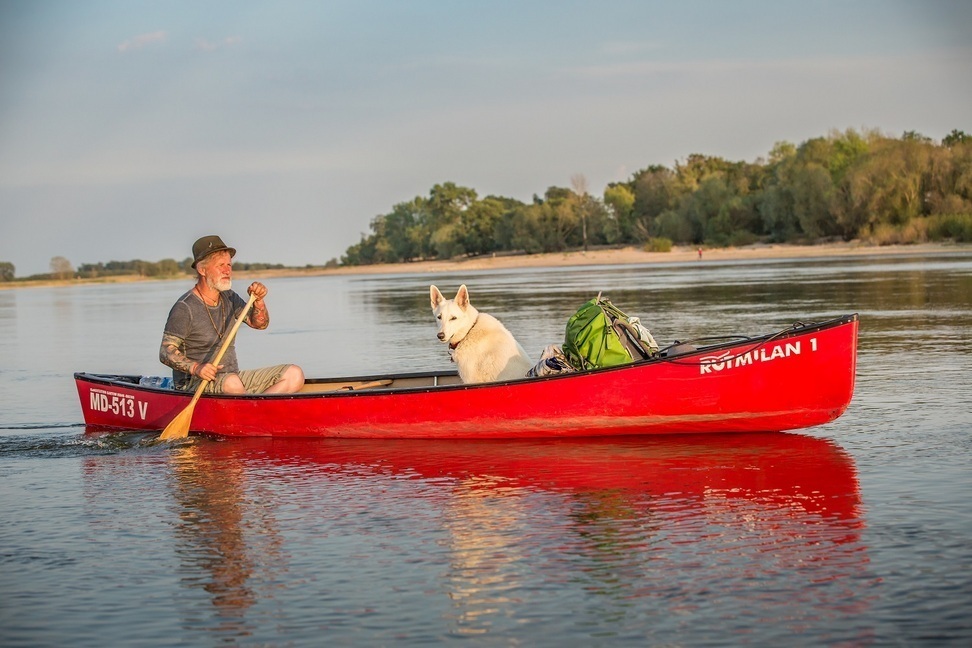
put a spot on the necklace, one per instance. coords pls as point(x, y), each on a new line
point(219, 301)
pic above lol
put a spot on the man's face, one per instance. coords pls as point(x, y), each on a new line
point(217, 269)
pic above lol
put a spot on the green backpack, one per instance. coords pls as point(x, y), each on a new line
point(599, 335)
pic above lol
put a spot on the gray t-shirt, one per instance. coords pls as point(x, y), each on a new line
point(202, 329)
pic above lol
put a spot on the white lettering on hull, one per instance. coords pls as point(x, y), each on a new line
point(726, 361)
point(103, 400)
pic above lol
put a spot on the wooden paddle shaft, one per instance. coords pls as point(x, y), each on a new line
point(232, 333)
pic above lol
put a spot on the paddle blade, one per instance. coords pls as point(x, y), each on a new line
point(178, 428)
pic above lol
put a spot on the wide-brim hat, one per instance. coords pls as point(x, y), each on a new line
point(206, 246)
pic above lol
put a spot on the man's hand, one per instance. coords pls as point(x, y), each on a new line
point(258, 289)
point(207, 371)
point(259, 316)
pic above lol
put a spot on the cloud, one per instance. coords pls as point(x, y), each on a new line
point(208, 46)
point(140, 41)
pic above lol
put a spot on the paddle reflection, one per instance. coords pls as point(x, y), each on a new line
point(226, 535)
point(650, 517)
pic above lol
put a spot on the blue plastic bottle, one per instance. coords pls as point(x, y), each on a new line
point(159, 382)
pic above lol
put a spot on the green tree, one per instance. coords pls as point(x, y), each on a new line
point(447, 241)
point(479, 225)
point(447, 203)
point(704, 208)
point(7, 271)
point(61, 268)
point(555, 196)
point(547, 225)
point(559, 220)
point(956, 137)
point(144, 268)
point(169, 268)
point(362, 253)
point(812, 192)
point(619, 200)
point(915, 136)
point(883, 187)
point(91, 270)
point(781, 151)
point(798, 198)
point(776, 210)
point(656, 190)
point(672, 225)
point(962, 171)
point(697, 168)
point(525, 229)
point(399, 233)
point(846, 149)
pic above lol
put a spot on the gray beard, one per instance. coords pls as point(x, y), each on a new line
point(219, 284)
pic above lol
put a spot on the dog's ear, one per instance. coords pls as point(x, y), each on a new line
point(435, 296)
point(462, 297)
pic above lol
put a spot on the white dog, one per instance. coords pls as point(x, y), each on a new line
point(483, 349)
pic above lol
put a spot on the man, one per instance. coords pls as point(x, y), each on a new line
point(200, 319)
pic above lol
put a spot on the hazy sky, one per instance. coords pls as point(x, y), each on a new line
point(128, 129)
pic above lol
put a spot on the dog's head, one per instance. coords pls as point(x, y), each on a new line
point(455, 316)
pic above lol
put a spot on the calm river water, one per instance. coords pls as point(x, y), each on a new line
point(854, 533)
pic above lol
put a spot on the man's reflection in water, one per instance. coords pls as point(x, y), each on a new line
point(227, 537)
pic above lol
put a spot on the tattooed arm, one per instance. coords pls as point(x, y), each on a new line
point(259, 317)
point(171, 355)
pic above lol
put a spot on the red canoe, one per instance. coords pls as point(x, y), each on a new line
point(795, 378)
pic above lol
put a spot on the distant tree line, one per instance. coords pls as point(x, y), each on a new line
point(847, 185)
point(163, 268)
point(61, 269)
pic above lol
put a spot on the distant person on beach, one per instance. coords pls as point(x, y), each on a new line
point(700, 254)
point(201, 317)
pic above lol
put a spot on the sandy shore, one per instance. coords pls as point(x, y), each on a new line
point(631, 255)
point(613, 256)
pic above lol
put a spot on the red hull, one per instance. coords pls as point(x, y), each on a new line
point(798, 378)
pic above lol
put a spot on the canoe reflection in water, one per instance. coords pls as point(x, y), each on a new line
point(492, 521)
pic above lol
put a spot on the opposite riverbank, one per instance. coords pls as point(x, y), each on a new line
point(631, 255)
point(609, 256)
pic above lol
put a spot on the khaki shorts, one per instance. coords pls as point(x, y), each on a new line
point(255, 381)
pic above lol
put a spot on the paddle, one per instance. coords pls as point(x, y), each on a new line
point(178, 428)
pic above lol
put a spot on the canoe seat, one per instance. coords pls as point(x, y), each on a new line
point(366, 385)
point(350, 385)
